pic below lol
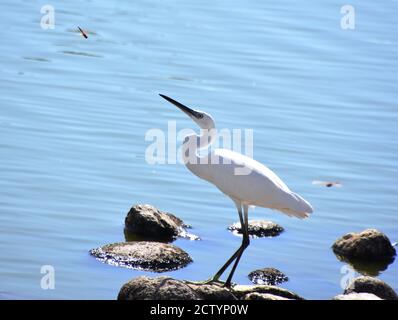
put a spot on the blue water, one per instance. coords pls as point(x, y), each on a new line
point(74, 113)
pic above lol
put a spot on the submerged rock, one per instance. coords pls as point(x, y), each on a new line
point(357, 296)
point(258, 228)
point(270, 276)
point(372, 285)
point(152, 256)
point(150, 223)
point(369, 244)
point(165, 288)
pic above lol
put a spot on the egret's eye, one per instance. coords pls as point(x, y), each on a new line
point(199, 115)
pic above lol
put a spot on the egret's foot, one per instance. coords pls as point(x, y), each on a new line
point(212, 280)
point(229, 284)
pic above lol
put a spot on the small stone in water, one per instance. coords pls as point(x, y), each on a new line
point(149, 223)
point(259, 228)
point(269, 276)
point(369, 245)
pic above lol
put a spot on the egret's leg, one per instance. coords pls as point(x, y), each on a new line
point(245, 244)
point(233, 257)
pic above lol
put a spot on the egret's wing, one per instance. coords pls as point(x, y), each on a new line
point(241, 162)
point(257, 185)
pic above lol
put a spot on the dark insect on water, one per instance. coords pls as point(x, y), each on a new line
point(82, 32)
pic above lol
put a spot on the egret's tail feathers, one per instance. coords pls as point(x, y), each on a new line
point(298, 207)
point(297, 214)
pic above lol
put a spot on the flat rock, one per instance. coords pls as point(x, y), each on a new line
point(149, 223)
point(166, 288)
point(259, 228)
point(242, 290)
point(262, 296)
point(372, 285)
point(357, 296)
point(143, 255)
point(269, 276)
point(369, 244)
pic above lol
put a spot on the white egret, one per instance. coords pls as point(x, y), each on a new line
point(246, 181)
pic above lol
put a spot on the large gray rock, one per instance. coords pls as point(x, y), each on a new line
point(258, 228)
point(212, 291)
point(152, 256)
point(165, 288)
point(369, 244)
point(372, 285)
point(357, 296)
point(270, 276)
point(150, 223)
point(242, 290)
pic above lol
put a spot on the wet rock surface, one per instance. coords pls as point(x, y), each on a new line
point(151, 256)
point(372, 285)
point(242, 290)
point(369, 244)
point(259, 228)
point(263, 296)
point(269, 276)
point(357, 296)
point(166, 288)
point(150, 223)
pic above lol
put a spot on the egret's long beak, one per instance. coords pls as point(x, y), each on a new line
point(185, 109)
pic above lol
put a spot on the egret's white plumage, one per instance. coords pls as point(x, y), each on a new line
point(246, 181)
point(260, 187)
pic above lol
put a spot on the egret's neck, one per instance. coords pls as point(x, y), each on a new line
point(194, 142)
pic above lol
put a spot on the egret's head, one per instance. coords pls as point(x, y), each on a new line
point(202, 119)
